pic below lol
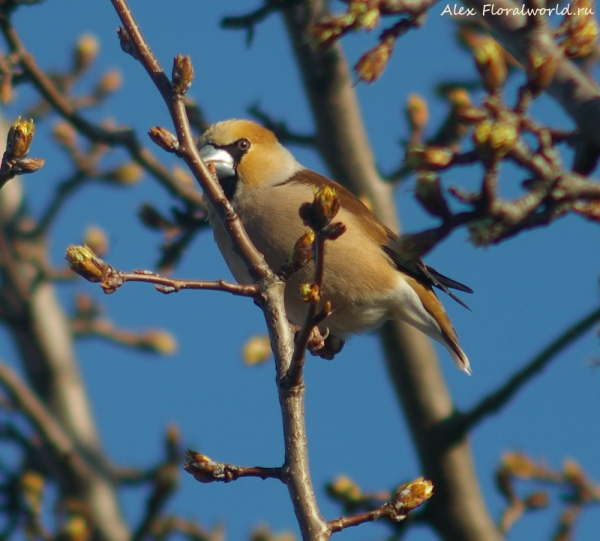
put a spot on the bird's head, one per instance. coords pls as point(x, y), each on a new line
point(247, 154)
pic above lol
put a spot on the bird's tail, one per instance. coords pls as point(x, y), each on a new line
point(458, 355)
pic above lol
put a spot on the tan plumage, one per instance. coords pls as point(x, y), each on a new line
point(365, 277)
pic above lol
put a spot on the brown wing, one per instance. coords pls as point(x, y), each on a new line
point(385, 237)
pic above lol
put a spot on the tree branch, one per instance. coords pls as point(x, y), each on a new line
point(120, 137)
point(296, 473)
point(501, 397)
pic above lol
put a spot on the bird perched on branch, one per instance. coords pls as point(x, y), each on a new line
point(365, 277)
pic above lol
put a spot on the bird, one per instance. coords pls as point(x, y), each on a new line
point(366, 278)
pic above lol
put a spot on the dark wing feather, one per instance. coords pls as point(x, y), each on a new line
point(428, 275)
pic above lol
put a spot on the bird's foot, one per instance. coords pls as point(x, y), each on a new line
point(321, 344)
point(325, 346)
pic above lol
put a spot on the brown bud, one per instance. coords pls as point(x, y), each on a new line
point(471, 114)
point(303, 249)
point(6, 87)
point(540, 71)
point(126, 43)
point(18, 141)
point(86, 263)
point(489, 59)
point(96, 239)
point(366, 17)
point(495, 139)
point(459, 98)
point(111, 82)
point(372, 64)
point(127, 174)
point(322, 210)
point(326, 31)
point(164, 139)
point(203, 468)
point(333, 231)
point(31, 486)
point(428, 157)
point(537, 500)
point(28, 165)
point(520, 465)
point(183, 74)
point(159, 341)
point(76, 528)
point(85, 53)
point(64, 134)
point(503, 137)
point(345, 490)
point(417, 113)
point(579, 29)
point(412, 495)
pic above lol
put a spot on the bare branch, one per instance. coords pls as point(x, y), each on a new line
point(295, 472)
point(118, 137)
point(500, 398)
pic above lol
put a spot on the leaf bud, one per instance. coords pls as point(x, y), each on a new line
point(183, 74)
point(489, 59)
point(164, 139)
point(85, 53)
point(371, 65)
point(18, 140)
point(86, 263)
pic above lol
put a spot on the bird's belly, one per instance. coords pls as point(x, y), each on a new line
point(357, 281)
point(355, 309)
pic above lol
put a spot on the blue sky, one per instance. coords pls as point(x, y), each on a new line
point(527, 290)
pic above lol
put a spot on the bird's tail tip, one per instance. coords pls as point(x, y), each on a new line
point(460, 359)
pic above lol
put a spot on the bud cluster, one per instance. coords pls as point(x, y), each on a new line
point(579, 30)
point(318, 214)
point(327, 30)
point(494, 139)
point(18, 143)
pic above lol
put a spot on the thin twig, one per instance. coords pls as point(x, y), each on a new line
point(119, 137)
point(63, 449)
point(500, 398)
point(170, 285)
point(294, 373)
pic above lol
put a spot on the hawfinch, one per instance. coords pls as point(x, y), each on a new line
point(366, 279)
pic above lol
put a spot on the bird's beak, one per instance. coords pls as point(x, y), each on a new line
point(221, 159)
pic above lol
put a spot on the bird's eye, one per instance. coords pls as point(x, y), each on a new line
point(243, 145)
